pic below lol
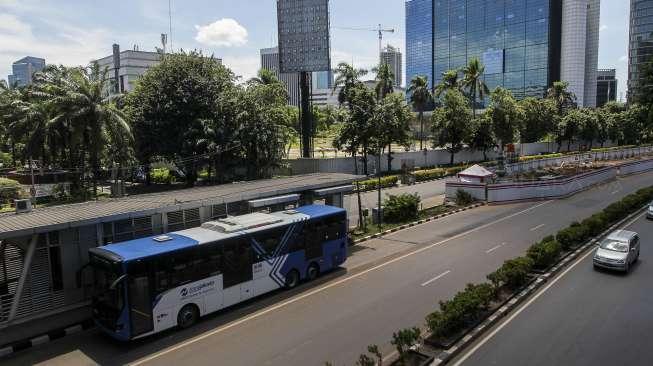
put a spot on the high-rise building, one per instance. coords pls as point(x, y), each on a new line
point(23, 70)
point(392, 56)
point(640, 49)
point(125, 67)
point(525, 45)
point(606, 87)
point(320, 80)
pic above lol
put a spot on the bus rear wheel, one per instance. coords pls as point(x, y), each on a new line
point(312, 272)
point(292, 279)
point(188, 316)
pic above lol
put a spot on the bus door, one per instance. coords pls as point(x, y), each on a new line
point(140, 300)
point(238, 274)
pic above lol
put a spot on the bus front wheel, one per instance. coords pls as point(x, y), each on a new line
point(313, 272)
point(188, 315)
point(292, 279)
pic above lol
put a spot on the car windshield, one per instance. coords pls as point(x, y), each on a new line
point(105, 273)
point(615, 246)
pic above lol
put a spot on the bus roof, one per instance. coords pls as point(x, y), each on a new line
point(155, 245)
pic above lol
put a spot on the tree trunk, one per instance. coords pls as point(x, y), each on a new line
point(484, 155)
point(452, 158)
point(365, 160)
point(421, 129)
point(353, 154)
point(474, 105)
point(569, 145)
point(389, 158)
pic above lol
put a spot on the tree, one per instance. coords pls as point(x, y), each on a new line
point(358, 132)
point(347, 78)
point(404, 339)
point(588, 126)
point(385, 81)
point(603, 121)
point(451, 125)
point(482, 138)
point(449, 82)
point(420, 96)
point(473, 82)
point(569, 127)
point(506, 116)
point(391, 124)
point(175, 101)
point(265, 77)
point(562, 97)
point(540, 118)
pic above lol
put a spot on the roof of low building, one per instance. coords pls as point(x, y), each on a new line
point(476, 171)
point(87, 213)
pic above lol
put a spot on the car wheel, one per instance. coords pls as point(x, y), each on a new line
point(292, 279)
point(188, 315)
point(313, 272)
point(627, 268)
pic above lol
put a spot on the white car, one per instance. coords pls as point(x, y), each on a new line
point(618, 251)
point(649, 211)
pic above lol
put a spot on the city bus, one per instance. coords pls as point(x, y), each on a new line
point(147, 285)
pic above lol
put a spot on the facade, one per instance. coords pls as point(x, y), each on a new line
point(392, 56)
point(130, 65)
point(640, 46)
point(320, 80)
point(525, 45)
point(23, 70)
point(606, 87)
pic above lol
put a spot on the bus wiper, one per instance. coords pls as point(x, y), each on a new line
point(117, 281)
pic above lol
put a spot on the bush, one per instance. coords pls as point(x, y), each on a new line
point(371, 184)
point(6, 160)
point(615, 211)
point(9, 190)
point(571, 237)
point(544, 253)
point(463, 198)
point(455, 170)
point(465, 306)
point(404, 339)
point(162, 176)
point(513, 273)
point(595, 224)
point(429, 174)
point(401, 208)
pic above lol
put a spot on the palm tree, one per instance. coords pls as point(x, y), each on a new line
point(473, 81)
point(449, 81)
point(385, 80)
point(563, 98)
point(420, 96)
point(265, 77)
point(346, 79)
point(81, 98)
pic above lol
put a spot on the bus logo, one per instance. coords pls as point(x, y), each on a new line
point(184, 292)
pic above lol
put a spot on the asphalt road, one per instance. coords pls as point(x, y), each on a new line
point(587, 317)
point(336, 318)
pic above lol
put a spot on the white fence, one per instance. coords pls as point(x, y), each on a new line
point(477, 190)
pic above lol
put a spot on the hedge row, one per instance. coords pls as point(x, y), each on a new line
point(436, 173)
point(605, 149)
point(400, 208)
point(539, 157)
point(466, 306)
point(371, 184)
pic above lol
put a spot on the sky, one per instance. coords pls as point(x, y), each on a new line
point(73, 32)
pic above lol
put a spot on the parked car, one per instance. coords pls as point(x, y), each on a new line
point(618, 251)
point(649, 212)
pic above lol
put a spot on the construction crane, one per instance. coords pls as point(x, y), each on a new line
point(380, 30)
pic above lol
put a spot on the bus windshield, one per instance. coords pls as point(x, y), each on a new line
point(107, 301)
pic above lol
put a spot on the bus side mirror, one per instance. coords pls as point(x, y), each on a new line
point(117, 281)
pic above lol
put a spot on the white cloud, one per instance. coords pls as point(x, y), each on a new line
point(603, 27)
point(245, 67)
point(222, 33)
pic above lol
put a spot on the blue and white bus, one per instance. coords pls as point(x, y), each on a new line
point(147, 285)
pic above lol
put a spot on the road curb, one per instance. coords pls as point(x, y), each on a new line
point(11, 348)
point(513, 303)
point(415, 223)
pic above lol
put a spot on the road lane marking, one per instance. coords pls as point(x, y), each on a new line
point(487, 338)
point(435, 278)
point(326, 287)
point(538, 227)
point(495, 248)
point(615, 192)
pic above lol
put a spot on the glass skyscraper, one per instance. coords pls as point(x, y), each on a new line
point(23, 70)
point(520, 42)
point(641, 40)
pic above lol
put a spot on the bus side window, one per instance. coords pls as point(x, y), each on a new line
point(334, 228)
point(315, 234)
point(162, 274)
point(296, 242)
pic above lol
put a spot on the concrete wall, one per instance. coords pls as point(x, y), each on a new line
point(477, 190)
point(636, 167)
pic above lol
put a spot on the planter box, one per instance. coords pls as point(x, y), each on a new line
point(414, 358)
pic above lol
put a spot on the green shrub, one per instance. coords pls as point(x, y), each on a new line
point(6, 160)
point(570, 237)
point(464, 307)
point(386, 182)
point(513, 273)
point(454, 170)
point(10, 190)
point(162, 176)
point(404, 339)
point(429, 174)
point(615, 211)
point(463, 198)
point(544, 253)
point(595, 224)
point(401, 207)
point(538, 157)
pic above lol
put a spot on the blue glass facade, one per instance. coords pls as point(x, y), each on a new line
point(515, 39)
point(419, 39)
point(641, 41)
point(24, 69)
